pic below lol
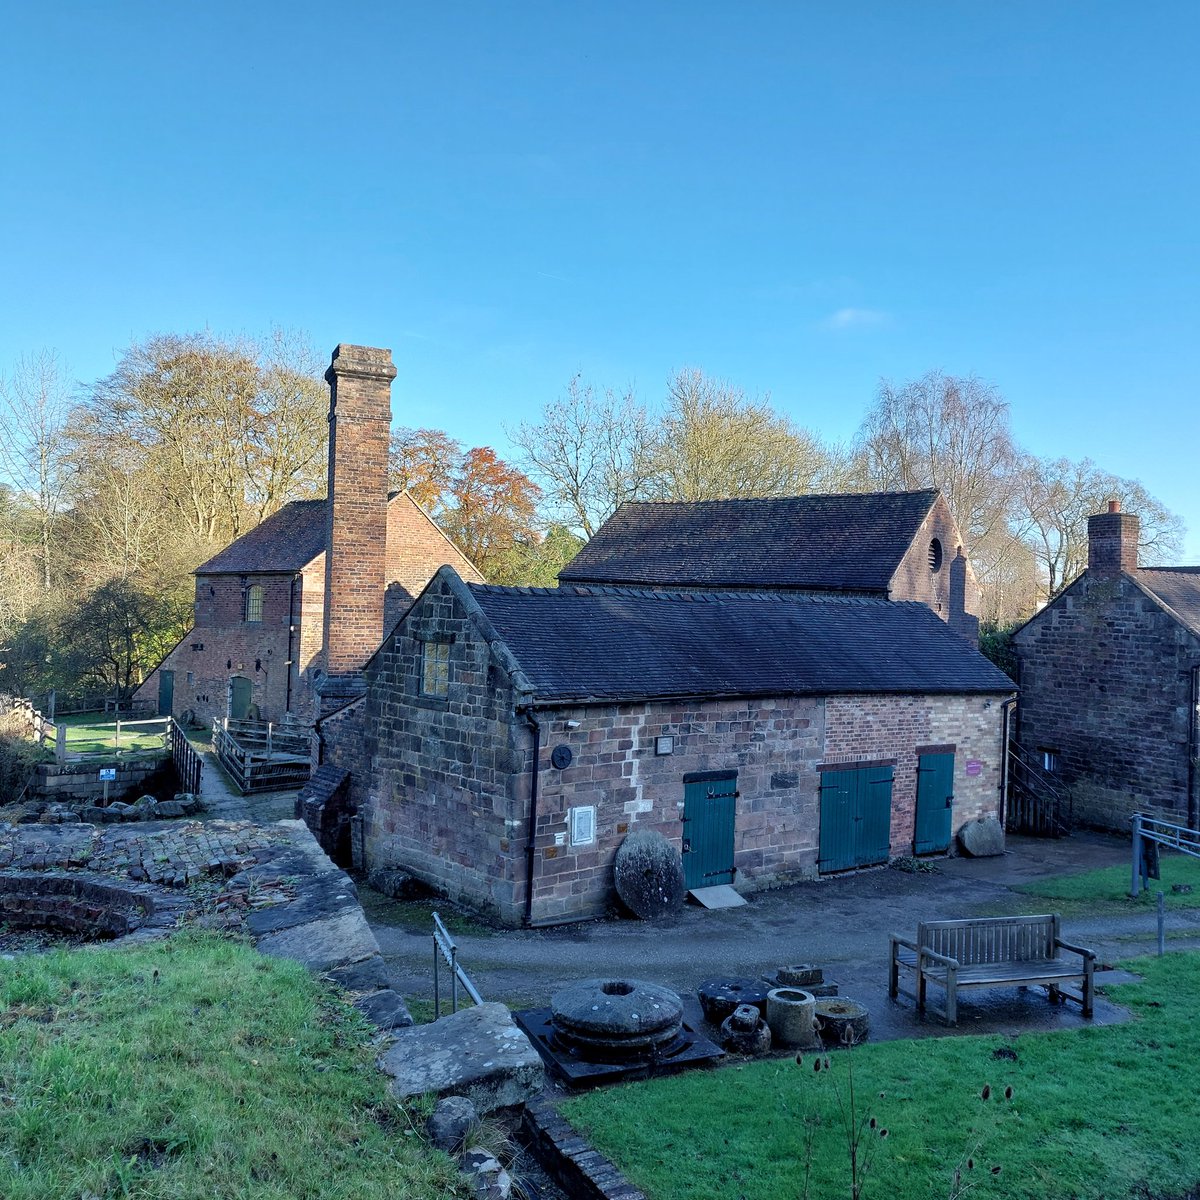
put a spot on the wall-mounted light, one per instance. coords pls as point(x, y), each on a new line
point(258, 664)
point(570, 724)
point(229, 664)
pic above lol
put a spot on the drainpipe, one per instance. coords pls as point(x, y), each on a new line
point(287, 701)
point(1006, 709)
point(1193, 798)
point(530, 850)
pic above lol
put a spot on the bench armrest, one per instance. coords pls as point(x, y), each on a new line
point(1082, 950)
point(897, 940)
point(934, 956)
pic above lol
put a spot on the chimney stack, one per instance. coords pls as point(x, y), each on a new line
point(360, 419)
point(1113, 542)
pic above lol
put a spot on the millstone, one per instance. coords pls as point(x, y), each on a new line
point(719, 997)
point(843, 1022)
point(611, 1020)
point(648, 875)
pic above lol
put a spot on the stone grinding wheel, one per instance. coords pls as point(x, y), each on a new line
point(842, 1022)
point(606, 1020)
point(648, 875)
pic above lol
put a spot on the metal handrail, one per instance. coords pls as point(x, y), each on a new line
point(1030, 777)
point(1154, 832)
point(444, 948)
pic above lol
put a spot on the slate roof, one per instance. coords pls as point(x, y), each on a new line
point(1178, 588)
point(852, 542)
point(579, 643)
point(286, 541)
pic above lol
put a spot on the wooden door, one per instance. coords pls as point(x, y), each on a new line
point(709, 817)
point(240, 690)
point(935, 803)
point(166, 692)
point(856, 818)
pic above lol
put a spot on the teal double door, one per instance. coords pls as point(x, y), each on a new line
point(856, 818)
point(709, 816)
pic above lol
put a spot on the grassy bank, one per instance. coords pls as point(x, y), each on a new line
point(1098, 1112)
point(194, 1068)
point(1108, 887)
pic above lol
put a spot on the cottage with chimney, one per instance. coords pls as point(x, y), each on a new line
point(511, 738)
point(286, 616)
point(1110, 683)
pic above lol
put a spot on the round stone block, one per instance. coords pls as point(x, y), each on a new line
point(648, 875)
point(842, 1022)
point(790, 1014)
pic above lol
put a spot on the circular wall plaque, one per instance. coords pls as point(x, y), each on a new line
point(561, 757)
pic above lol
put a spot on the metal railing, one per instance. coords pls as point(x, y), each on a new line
point(1149, 833)
point(444, 948)
point(1037, 803)
point(188, 765)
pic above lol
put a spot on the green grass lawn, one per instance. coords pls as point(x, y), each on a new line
point(90, 732)
point(1098, 1112)
point(1108, 888)
point(195, 1068)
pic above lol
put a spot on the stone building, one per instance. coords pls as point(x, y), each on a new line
point(887, 545)
point(511, 738)
point(298, 604)
point(1110, 683)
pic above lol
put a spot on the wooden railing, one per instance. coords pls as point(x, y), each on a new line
point(261, 756)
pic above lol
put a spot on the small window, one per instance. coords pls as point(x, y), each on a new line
point(935, 555)
point(583, 826)
point(254, 603)
point(191, 677)
point(435, 668)
point(1050, 760)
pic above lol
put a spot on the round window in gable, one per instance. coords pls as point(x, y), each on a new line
point(935, 556)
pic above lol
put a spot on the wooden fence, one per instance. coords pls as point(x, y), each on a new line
point(261, 756)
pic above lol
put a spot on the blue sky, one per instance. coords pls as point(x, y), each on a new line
point(799, 198)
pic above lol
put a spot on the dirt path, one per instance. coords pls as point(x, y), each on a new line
point(841, 924)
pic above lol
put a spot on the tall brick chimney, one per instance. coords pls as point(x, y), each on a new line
point(360, 418)
point(1113, 542)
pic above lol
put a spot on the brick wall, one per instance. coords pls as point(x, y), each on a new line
point(1105, 683)
point(896, 727)
point(416, 547)
point(913, 579)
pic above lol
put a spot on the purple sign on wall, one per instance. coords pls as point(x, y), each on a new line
point(974, 766)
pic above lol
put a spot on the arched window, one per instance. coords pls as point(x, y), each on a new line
point(254, 602)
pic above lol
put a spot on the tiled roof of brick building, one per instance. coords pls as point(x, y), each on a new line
point(286, 541)
point(1178, 588)
point(852, 542)
point(614, 643)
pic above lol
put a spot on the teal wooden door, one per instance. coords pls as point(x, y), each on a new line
point(239, 698)
point(709, 816)
point(856, 818)
point(935, 803)
point(166, 692)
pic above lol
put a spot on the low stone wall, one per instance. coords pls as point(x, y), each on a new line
point(78, 783)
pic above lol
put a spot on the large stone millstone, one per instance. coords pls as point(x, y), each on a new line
point(477, 1052)
point(648, 874)
point(615, 1020)
point(982, 839)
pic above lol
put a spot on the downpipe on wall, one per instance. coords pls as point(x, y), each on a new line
point(530, 847)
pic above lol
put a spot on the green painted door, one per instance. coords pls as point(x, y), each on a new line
point(239, 698)
point(709, 814)
point(166, 692)
point(856, 818)
point(935, 803)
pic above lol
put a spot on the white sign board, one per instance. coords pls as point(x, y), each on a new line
point(108, 774)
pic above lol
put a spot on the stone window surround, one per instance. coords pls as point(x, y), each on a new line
point(433, 682)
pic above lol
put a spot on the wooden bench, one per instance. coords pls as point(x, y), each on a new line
point(992, 952)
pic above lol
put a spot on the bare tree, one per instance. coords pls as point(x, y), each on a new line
point(587, 453)
point(1054, 501)
point(713, 442)
point(34, 405)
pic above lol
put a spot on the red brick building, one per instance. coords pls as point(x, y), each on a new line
point(511, 738)
point(267, 637)
point(1110, 684)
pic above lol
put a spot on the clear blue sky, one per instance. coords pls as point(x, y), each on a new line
point(800, 198)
